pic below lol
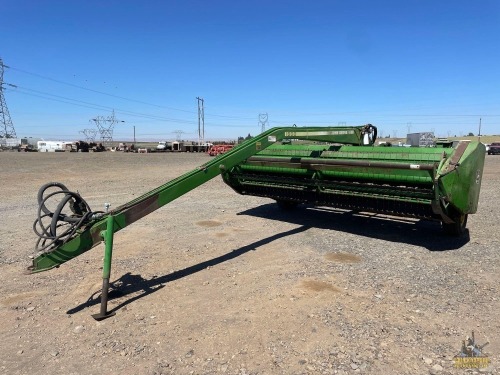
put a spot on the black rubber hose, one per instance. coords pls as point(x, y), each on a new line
point(41, 200)
point(57, 216)
point(47, 234)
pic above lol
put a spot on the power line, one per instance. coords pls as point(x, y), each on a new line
point(97, 91)
point(76, 102)
point(230, 117)
point(81, 103)
point(122, 97)
point(382, 113)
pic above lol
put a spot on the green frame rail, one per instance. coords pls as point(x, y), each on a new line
point(92, 234)
point(102, 227)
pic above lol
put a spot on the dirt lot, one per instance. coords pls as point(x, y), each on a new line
point(219, 283)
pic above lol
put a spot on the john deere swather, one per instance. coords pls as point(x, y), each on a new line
point(325, 166)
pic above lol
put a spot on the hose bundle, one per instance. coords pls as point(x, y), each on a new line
point(62, 227)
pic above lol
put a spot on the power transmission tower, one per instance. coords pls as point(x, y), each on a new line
point(263, 121)
point(89, 135)
point(201, 120)
point(7, 128)
point(179, 133)
point(105, 125)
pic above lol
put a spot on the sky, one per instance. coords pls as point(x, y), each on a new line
point(404, 66)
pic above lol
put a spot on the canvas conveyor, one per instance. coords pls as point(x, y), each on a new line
point(330, 166)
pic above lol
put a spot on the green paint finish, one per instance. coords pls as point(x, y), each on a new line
point(418, 176)
point(461, 186)
point(134, 210)
point(347, 172)
point(390, 175)
point(108, 250)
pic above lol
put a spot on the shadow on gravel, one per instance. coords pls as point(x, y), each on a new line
point(416, 232)
point(131, 284)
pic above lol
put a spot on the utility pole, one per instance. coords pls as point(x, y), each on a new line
point(263, 121)
point(201, 120)
point(105, 125)
point(6, 127)
point(479, 133)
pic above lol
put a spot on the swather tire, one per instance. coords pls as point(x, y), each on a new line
point(457, 228)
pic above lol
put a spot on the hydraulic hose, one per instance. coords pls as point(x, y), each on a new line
point(61, 227)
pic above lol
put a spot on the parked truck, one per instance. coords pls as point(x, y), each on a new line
point(164, 146)
point(494, 148)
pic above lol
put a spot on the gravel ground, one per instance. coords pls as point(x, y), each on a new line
point(219, 283)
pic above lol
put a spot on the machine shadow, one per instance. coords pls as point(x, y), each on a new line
point(416, 232)
point(131, 284)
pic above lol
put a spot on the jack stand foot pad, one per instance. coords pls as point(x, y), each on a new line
point(101, 316)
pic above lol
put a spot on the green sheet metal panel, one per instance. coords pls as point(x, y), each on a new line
point(460, 177)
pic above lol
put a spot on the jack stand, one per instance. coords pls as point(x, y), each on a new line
point(107, 235)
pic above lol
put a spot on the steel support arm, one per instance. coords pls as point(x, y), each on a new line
point(90, 235)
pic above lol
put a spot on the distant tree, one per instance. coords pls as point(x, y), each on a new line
point(470, 134)
point(241, 139)
point(248, 136)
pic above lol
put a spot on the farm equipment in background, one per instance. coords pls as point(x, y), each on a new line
point(216, 150)
point(26, 147)
point(332, 166)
